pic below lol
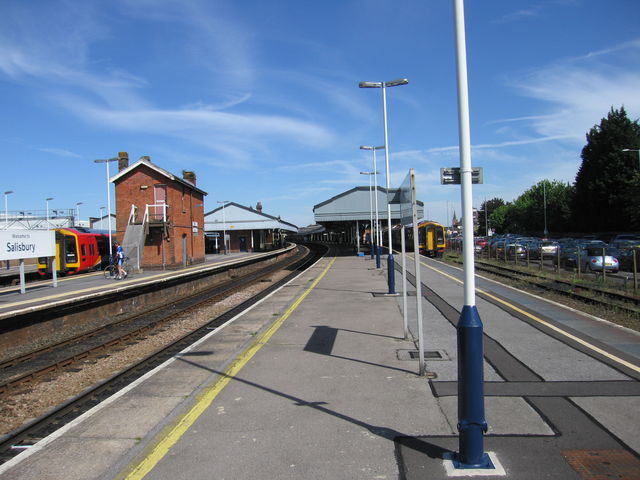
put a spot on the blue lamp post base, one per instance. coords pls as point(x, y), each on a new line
point(391, 274)
point(484, 463)
point(471, 421)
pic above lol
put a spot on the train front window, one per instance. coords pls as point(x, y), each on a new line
point(71, 251)
point(439, 235)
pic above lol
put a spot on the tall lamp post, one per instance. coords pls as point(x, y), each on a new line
point(371, 231)
point(6, 210)
point(383, 86)
point(544, 195)
point(107, 161)
point(6, 218)
point(633, 150)
point(47, 202)
point(378, 239)
point(471, 419)
point(78, 211)
point(224, 226)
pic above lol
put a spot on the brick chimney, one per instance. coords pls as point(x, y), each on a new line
point(123, 160)
point(259, 207)
point(189, 176)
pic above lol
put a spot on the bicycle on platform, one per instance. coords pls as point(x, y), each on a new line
point(111, 271)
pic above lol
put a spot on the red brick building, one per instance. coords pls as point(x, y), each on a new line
point(160, 216)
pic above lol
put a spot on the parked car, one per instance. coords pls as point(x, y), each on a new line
point(626, 236)
point(569, 256)
point(479, 244)
point(625, 243)
point(516, 250)
point(594, 261)
point(625, 259)
point(546, 248)
point(587, 243)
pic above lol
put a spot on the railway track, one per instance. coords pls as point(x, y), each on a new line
point(97, 345)
point(626, 303)
point(35, 364)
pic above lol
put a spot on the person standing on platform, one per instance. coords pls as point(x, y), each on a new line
point(120, 262)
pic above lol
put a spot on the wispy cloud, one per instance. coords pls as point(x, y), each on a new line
point(534, 10)
point(580, 91)
point(101, 95)
point(481, 146)
point(60, 152)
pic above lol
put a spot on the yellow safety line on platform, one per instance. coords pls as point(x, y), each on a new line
point(208, 396)
point(590, 346)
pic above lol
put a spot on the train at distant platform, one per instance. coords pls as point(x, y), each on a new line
point(77, 250)
point(432, 239)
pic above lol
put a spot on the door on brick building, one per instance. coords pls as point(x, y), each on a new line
point(160, 200)
point(184, 250)
point(243, 244)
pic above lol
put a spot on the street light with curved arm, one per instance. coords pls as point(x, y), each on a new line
point(107, 161)
point(383, 86)
point(6, 210)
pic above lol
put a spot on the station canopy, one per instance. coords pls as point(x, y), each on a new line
point(234, 216)
point(358, 204)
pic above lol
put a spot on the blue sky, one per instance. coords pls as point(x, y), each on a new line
point(261, 98)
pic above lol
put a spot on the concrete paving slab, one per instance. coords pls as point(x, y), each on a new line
point(130, 418)
point(71, 459)
point(607, 411)
point(504, 415)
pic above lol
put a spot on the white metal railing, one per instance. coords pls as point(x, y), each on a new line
point(132, 215)
point(159, 213)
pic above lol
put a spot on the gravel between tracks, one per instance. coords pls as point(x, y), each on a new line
point(37, 398)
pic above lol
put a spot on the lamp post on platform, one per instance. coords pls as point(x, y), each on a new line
point(78, 212)
point(383, 86)
point(107, 161)
point(47, 203)
point(378, 239)
point(371, 231)
point(471, 419)
point(224, 226)
point(6, 210)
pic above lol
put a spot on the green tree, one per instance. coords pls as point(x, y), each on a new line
point(607, 183)
point(550, 199)
point(486, 209)
point(500, 218)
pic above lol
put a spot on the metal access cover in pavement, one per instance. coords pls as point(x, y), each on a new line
point(603, 464)
point(428, 354)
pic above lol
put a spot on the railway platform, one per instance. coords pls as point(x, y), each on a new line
point(318, 382)
point(69, 288)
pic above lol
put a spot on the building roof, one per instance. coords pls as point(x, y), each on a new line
point(356, 204)
point(147, 163)
point(239, 217)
